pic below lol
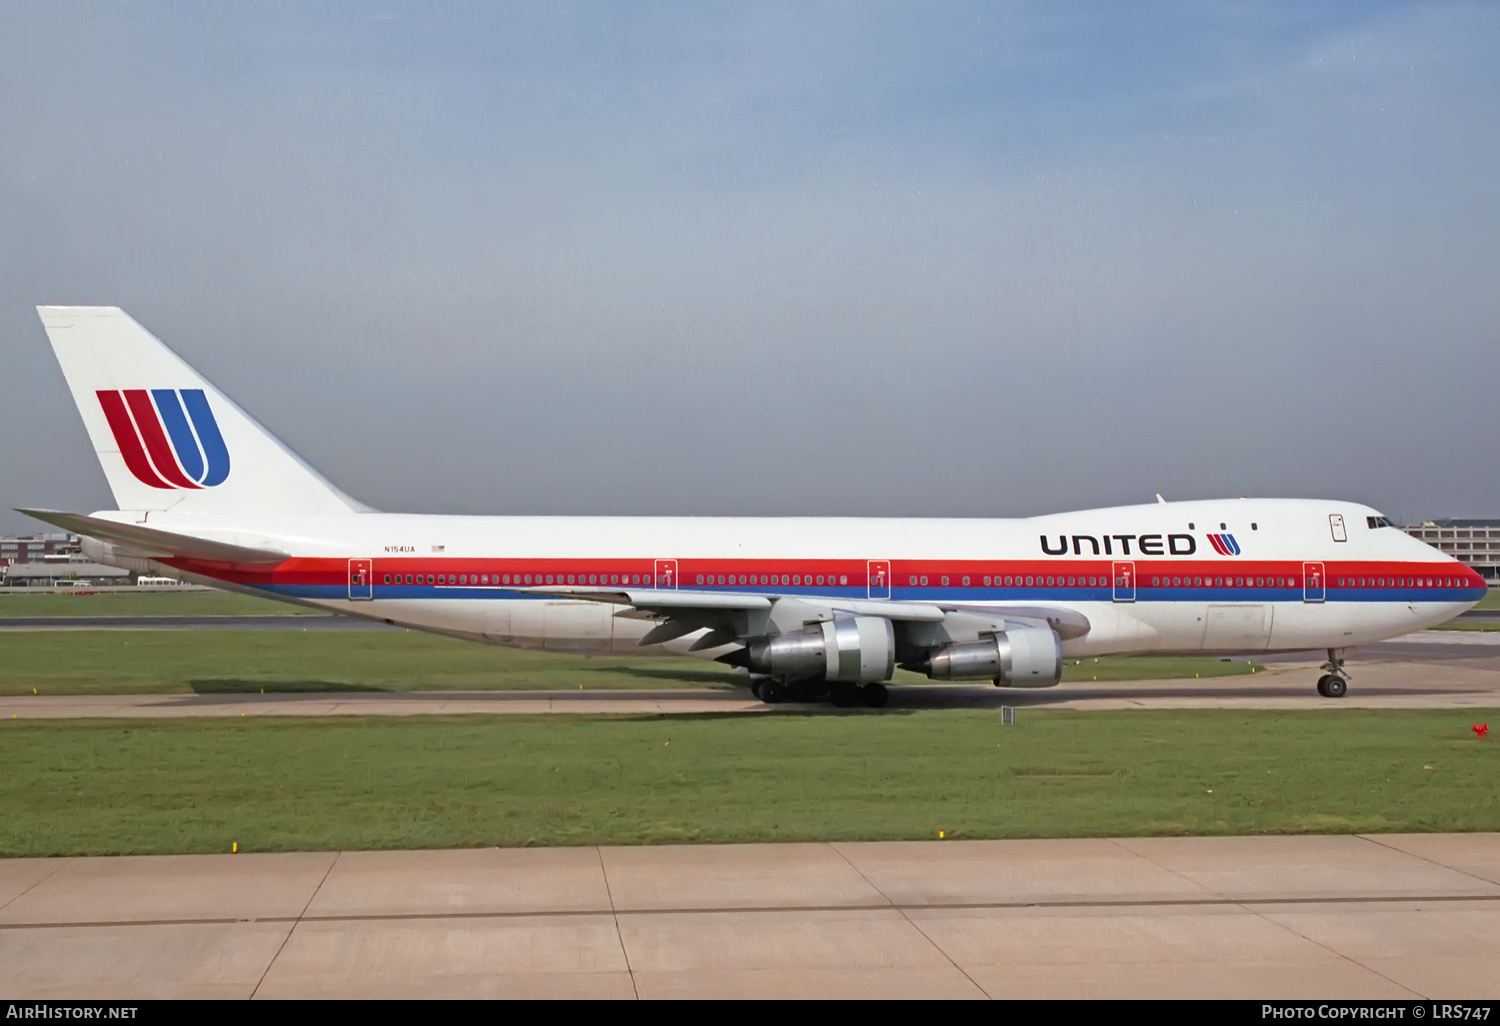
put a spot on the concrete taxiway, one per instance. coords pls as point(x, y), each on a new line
point(1260, 917)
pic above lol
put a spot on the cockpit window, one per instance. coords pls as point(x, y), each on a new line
point(1378, 522)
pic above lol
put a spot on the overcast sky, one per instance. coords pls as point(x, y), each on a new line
point(857, 258)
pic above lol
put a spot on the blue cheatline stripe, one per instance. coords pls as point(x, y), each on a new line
point(976, 596)
point(183, 442)
point(208, 435)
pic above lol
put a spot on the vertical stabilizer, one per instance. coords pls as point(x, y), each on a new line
point(166, 437)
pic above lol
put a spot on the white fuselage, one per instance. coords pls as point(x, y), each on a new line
point(1223, 576)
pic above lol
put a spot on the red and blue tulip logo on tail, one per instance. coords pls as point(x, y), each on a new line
point(168, 437)
point(1224, 544)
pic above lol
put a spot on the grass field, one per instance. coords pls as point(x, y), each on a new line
point(200, 785)
point(248, 661)
point(146, 603)
point(1491, 600)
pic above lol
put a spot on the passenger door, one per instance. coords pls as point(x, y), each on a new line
point(666, 574)
point(361, 580)
point(1124, 582)
point(1314, 586)
point(879, 571)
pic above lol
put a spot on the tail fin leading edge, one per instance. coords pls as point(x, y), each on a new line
point(165, 436)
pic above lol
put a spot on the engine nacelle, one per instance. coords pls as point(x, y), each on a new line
point(856, 649)
point(1027, 657)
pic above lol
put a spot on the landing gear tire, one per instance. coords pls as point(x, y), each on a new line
point(1331, 685)
point(771, 692)
point(1334, 684)
point(874, 695)
point(758, 682)
point(844, 695)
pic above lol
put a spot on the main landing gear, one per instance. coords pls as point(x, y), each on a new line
point(1334, 683)
point(843, 695)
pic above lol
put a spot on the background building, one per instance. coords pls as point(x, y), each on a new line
point(1475, 542)
point(29, 548)
point(63, 571)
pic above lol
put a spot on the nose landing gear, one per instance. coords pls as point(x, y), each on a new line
point(1334, 683)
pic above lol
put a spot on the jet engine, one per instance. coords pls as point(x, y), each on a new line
point(1026, 657)
point(855, 649)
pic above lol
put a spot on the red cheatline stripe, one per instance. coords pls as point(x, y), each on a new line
point(126, 438)
point(155, 438)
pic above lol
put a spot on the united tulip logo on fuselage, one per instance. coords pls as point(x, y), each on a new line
point(168, 437)
point(1224, 544)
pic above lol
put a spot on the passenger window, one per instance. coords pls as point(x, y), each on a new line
point(387, 578)
point(1239, 582)
point(1197, 582)
point(820, 578)
point(945, 580)
point(1007, 582)
point(1028, 581)
point(966, 582)
point(700, 578)
point(924, 580)
point(912, 580)
point(429, 578)
point(1156, 582)
point(1177, 582)
point(843, 579)
point(987, 582)
point(1049, 582)
point(1070, 582)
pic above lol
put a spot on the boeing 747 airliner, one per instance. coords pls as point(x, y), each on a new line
point(808, 607)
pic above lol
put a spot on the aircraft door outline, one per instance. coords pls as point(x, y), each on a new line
point(1314, 582)
point(666, 574)
point(361, 580)
point(1336, 525)
point(878, 573)
point(1124, 581)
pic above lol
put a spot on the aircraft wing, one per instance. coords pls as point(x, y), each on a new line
point(153, 543)
point(734, 616)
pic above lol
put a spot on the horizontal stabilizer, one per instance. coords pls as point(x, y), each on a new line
point(153, 543)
